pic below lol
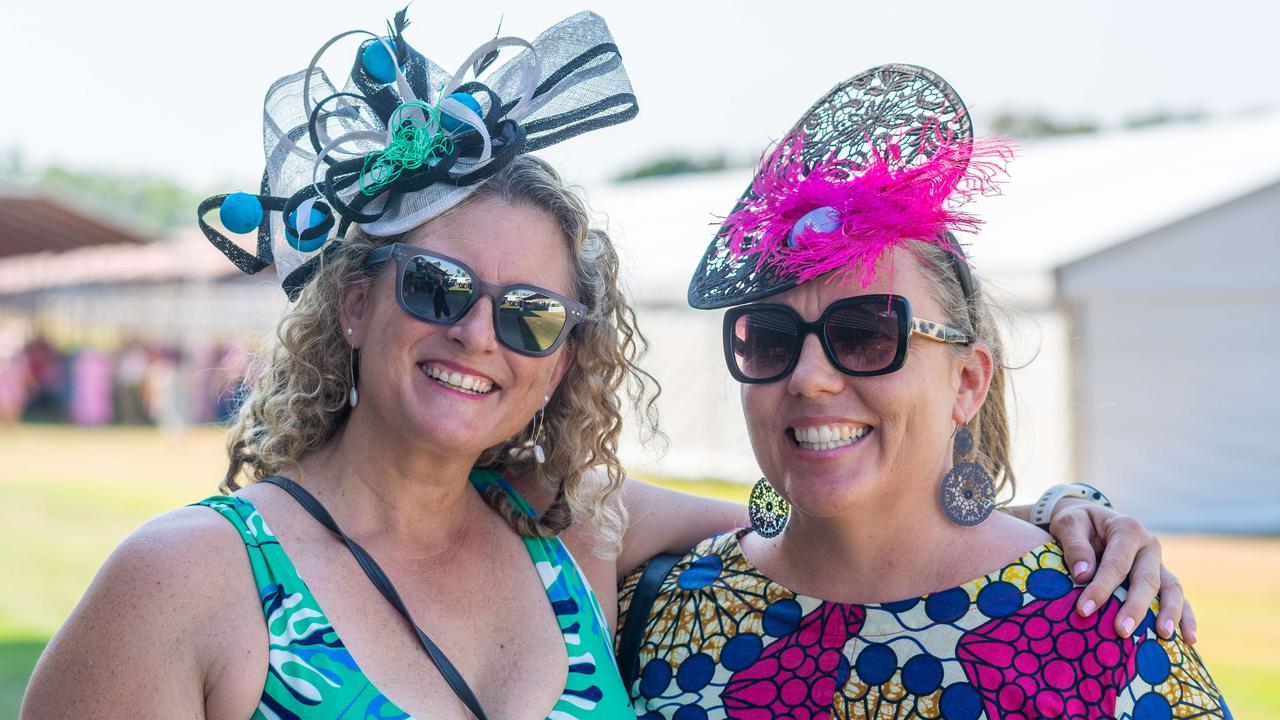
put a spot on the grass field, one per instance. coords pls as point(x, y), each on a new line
point(68, 496)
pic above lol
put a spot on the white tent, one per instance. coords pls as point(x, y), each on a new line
point(1177, 408)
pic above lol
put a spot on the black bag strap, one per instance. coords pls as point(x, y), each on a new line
point(646, 593)
point(384, 586)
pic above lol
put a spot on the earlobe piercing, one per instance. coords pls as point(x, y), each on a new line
point(538, 453)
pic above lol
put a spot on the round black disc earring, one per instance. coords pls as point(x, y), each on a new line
point(768, 511)
point(968, 492)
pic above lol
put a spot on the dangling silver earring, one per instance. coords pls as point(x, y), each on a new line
point(538, 453)
point(353, 397)
point(968, 492)
point(768, 511)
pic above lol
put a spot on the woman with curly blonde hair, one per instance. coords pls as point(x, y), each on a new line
point(431, 440)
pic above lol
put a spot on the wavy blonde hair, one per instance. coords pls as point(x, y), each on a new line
point(299, 398)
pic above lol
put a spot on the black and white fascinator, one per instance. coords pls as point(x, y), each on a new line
point(405, 140)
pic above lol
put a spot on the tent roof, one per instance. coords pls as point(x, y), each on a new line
point(31, 223)
point(185, 255)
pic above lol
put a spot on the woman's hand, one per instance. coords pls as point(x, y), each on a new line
point(1083, 529)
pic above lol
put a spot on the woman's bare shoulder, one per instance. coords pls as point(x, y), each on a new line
point(189, 548)
point(183, 568)
point(154, 621)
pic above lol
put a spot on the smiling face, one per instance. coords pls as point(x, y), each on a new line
point(456, 387)
point(826, 440)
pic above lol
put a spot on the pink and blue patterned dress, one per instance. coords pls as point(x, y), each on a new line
point(724, 641)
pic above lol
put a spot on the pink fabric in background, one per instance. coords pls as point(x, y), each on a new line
point(91, 376)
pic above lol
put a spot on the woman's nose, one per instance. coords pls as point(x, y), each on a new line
point(474, 331)
point(814, 374)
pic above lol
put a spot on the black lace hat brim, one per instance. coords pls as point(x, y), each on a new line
point(856, 119)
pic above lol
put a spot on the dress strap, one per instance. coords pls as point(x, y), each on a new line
point(632, 630)
point(384, 586)
point(482, 478)
point(271, 568)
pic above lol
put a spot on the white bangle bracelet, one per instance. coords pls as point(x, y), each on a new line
point(1042, 512)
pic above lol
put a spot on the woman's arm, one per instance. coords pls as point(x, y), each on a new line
point(665, 520)
point(140, 640)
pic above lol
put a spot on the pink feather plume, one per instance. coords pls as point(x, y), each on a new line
point(880, 205)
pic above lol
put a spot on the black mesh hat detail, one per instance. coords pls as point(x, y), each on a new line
point(855, 120)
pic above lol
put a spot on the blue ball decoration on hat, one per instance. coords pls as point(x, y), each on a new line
point(241, 213)
point(822, 220)
point(379, 63)
point(453, 124)
point(291, 232)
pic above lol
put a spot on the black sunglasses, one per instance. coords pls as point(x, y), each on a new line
point(862, 336)
point(437, 289)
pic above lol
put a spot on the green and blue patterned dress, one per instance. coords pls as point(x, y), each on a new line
point(311, 674)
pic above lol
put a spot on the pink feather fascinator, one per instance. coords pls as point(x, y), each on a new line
point(884, 158)
point(841, 217)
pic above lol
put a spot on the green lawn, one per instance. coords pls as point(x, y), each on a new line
point(68, 496)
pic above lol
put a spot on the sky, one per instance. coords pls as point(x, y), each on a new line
point(175, 88)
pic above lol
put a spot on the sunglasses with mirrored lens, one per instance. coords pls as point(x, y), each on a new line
point(439, 290)
point(862, 336)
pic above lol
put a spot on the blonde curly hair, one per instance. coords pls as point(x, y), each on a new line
point(299, 398)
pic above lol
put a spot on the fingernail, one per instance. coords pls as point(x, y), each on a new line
point(1167, 626)
point(1127, 624)
point(1191, 636)
point(1081, 568)
point(1088, 608)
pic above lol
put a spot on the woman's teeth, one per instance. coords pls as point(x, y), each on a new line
point(457, 381)
point(828, 437)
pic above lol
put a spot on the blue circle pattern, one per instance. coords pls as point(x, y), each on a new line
point(901, 606)
point(695, 672)
point(876, 664)
point(782, 617)
point(947, 606)
point(741, 651)
point(690, 712)
point(922, 675)
point(960, 702)
point(1152, 706)
point(1153, 662)
point(842, 671)
point(999, 599)
point(701, 573)
point(655, 678)
point(1048, 584)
